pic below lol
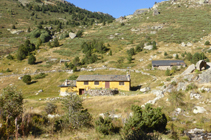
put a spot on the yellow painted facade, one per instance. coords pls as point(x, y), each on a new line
point(91, 85)
point(113, 85)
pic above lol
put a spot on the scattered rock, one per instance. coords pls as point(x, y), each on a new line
point(149, 47)
point(189, 44)
point(158, 93)
point(141, 60)
point(146, 89)
point(195, 95)
point(72, 35)
point(177, 111)
point(182, 86)
point(198, 109)
point(153, 32)
point(20, 78)
point(111, 37)
point(16, 31)
point(183, 44)
point(53, 116)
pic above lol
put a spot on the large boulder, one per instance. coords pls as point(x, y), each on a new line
point(72, 35)
point(201, 64)
point(149, 47)
point(198, 109)
point(189, 70)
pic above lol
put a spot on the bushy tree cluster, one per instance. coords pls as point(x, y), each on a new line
point(76, 116)
point(196, 57)
point(105, 125)
point(144, 120)
point(44, 35)
point(25, 49)
point(81, 16)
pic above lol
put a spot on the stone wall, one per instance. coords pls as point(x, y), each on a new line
point(101, 92)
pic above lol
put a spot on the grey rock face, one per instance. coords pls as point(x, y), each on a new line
point(72, 35)
point(140, 11)
point(189, 70)
point(188, 77)
point(155, 12)
point(205, 77)
point(182, 86)
point(201, 64)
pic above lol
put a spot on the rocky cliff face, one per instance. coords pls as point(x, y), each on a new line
point(140, 11)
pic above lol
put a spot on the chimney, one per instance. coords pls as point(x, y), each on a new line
point(65, 83)
point(128, 76)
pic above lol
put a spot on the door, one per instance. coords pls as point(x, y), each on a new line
point(81, 91)
point(107, 84)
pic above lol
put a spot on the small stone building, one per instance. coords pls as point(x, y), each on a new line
point(167, 64)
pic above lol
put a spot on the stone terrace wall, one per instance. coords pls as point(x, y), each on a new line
point(101, 92)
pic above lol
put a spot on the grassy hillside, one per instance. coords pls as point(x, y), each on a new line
point(107, 44)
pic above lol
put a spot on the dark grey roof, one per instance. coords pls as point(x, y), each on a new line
point(70, 83)
point(167, 62)
point(103, 78)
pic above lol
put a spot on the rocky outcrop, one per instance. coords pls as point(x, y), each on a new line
point(201, 64)
point(189, 70)
point(205, 77)
point(156, 12)
point(140, 11)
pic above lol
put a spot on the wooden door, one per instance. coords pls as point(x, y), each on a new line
point(81, 91)
point(107, 84)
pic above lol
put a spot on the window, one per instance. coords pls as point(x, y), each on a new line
point(96, 82)
point(121, 83)
point(86, 83)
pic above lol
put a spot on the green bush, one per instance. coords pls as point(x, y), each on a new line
point(40, 76)
point(207, 43)
point(105, 126)
point(55, 42)
point(79, 33)
point(148, 120)
point(73, 77)
point(165, 54)
point(50, 108)
point(173, 83)
point(10, 57)
point(167, 73)
point(27, 79)
point(31, 59)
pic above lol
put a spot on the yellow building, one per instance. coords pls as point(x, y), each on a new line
point(85, 82)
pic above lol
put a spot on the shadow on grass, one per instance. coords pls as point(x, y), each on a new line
point(32, 82)
point(39, 62)
point(135, 88)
